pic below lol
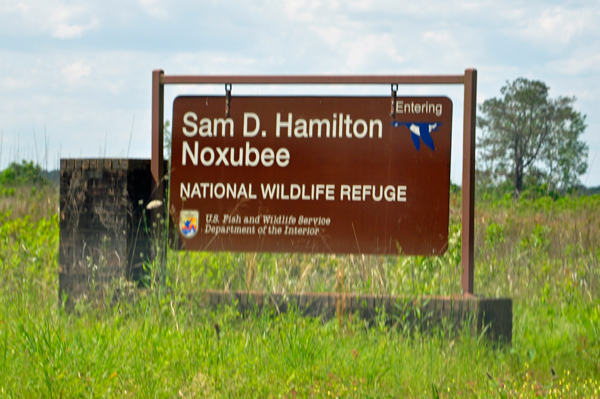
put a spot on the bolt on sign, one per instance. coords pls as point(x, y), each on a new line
point(312, 174)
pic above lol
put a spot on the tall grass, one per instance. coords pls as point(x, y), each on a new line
point(530, 250)
point(34, 201)
point(543, 253)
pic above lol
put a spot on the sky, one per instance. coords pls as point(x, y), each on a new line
point(75, 76)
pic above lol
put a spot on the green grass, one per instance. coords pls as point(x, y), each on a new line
point(543, 253)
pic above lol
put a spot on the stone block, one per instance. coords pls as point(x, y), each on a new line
point(479, 315)
point(99, 202)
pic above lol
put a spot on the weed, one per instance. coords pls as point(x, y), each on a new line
point(541, 252)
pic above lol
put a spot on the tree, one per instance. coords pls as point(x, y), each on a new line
point(529, 137)
point(23, 173)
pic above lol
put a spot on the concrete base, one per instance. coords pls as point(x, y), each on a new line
point(493, 317)
point(103, 243)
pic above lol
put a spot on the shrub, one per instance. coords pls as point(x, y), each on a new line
point(23, 173)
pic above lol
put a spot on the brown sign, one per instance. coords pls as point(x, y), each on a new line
point(312, 174)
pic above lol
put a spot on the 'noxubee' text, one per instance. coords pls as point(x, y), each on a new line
point(294, 192)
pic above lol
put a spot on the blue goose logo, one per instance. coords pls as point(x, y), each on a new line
point(420, 131)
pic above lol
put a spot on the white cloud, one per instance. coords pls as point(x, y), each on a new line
point(63, 29)
point(361, 5)
point(155, 8)
point(20, 6)
point(561, 26)
point(63, 20)
point(11, 83)
point(331, 34)
point(577, 64)
point(442, 37)
point(302, 10)
point(68, 32)
point(76, 71)
point(370, 48)
point(105, 77)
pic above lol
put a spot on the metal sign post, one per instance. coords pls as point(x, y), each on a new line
point(468, 182)
point(468, 80)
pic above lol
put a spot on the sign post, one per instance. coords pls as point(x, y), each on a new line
point(316, 174)
point(468, 183)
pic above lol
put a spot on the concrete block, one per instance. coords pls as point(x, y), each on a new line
point(97, 204)
point(494, 316)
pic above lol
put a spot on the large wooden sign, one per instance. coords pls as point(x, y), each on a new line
point(312, 174)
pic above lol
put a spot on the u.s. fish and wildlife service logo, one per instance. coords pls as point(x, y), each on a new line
point(188, 222)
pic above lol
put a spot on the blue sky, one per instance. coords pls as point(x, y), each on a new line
point(75, 76)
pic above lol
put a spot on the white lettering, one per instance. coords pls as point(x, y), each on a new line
point(184, 190)
point(206, 150)
point(251, 150)
point(219, 190)
point(372, 124)
point(248, 133)
point(348, 123)
point(222, 156)
point(196, 191)
point(187, 150)
point(279, 124)
point(267, 156)
point(300, 129)
point(283, 157)
point(345, 192)
point(223, 123)
point(319, 123)
point(389, 193)
point(401, 193)
point(268, 190)
point(205, 128)
point(187, 122)
point(424, 108)
point(361, 134)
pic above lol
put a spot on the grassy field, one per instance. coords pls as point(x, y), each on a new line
point(543, 253)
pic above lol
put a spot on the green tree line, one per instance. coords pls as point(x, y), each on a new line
point(22, 173)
